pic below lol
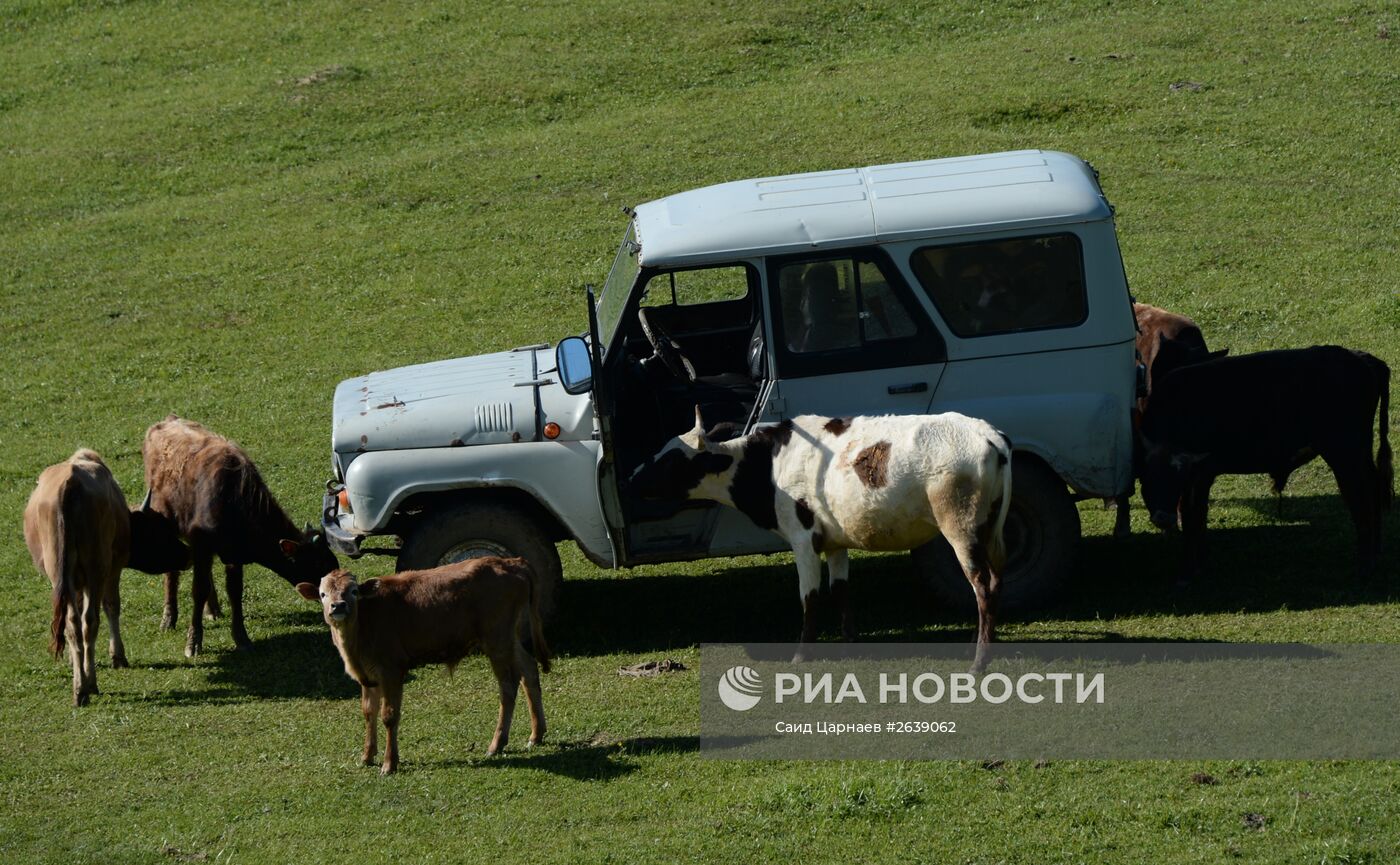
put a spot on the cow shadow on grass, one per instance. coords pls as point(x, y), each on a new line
point(1304, 562)
point(583, 760)
point(285, 665)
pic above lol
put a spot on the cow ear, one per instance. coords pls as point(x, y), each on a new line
point(289, 548)
point(308, 591)
point(367, 588)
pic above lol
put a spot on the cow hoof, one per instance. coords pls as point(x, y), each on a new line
point(367, 760)
point(192, 651)
point(533, 742)
point(242, 645)
point(167, 622)
point(388, 769)
point(119, 662)
point(80, 699)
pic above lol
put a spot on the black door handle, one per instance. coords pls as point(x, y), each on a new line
point(916, 387)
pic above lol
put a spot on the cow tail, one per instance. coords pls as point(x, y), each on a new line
point(542, 653)
point(1383, 455)
point(996, 547)
point(58, 562)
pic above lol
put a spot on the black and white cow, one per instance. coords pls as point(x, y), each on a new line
point(1268, 413)
point(829, 485)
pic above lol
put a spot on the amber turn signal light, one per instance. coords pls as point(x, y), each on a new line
point(551, 430)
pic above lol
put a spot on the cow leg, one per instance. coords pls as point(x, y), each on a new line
point(1358, 483)
point(809, 583)
point(838, 565)
point(1195, 506)
point(233, 582)
point(1122, 519)
point(92, 617)
point(972, 555)
point(369, 707)
point(74, 638)
point(112, 606)
point(171, 615)
point(530, 678)
point(200, 584)
point(212, 609)
point(508, 678)
point(391, 708)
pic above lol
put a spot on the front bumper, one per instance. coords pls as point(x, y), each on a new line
point(338, 538)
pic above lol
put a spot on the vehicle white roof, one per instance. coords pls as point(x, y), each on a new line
point(881, 203)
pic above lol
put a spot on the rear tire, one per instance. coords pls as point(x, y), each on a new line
point(478, 529)
point(1041, 532)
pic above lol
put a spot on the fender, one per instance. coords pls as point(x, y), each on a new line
point(562, 476)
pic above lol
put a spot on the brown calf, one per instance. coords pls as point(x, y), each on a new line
point(386, 627)
point(1165, 341)
point(80, 535)
point(211, 490)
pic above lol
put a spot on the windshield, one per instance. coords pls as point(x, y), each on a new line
point(616, 289)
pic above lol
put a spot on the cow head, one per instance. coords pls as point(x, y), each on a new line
point(1164, 477)
point(339, 594)
point(155, 543)
point(680, 466)
point(307, 559)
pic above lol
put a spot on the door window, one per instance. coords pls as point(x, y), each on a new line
point(847, 314)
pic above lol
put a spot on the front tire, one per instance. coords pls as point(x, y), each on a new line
point(478, 529)
point(1042, 531)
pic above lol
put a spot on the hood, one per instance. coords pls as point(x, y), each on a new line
point(487, 399)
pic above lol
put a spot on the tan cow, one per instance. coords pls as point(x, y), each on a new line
point(80, 535)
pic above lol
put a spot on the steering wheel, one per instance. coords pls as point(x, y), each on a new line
point(666, 349)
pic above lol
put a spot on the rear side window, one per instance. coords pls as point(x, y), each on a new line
point(1005, 286)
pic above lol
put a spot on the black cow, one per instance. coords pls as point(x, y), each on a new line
point(1165, 341)
point(1268, 413)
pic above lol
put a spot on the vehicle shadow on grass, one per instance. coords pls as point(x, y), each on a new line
point(1304, 562)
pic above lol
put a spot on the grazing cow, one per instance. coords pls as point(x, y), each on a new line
point(80, 535)
point(1263, 414)
point(829, 485)
point(386, 627)
point(211, 490)
point(1165, 341)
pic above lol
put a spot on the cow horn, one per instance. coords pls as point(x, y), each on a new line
point(146, 502)
point(308, 531)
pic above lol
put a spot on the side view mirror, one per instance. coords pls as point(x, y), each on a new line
point(575, 365)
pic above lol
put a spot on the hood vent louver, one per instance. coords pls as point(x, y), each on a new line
point(494, 417)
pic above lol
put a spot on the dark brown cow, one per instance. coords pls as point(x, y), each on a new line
point(386, 627)
point(80, 535)
point(211, 490)
point(1267, 413)
point(1165, 341)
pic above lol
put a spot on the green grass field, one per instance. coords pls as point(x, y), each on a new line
point(223, 208)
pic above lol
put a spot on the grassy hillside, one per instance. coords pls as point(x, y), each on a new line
point(222, 209)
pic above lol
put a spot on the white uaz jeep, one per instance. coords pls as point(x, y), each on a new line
point(989, 285)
